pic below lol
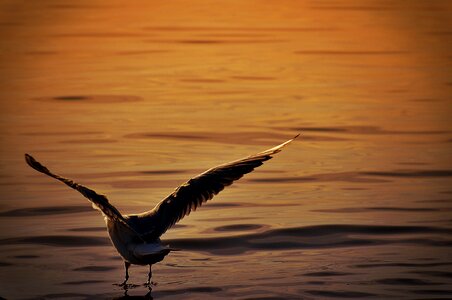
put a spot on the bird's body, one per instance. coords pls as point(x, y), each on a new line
point(131, 247)
point(136, 237)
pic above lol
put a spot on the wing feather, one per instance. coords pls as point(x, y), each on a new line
point(99, 201)
point(197, 191)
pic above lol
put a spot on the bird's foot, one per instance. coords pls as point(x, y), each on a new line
point(126, 285)
point(122, 284)
point(150, 284)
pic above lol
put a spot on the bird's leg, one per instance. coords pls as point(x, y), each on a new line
point(148, 283)
point(127, 265)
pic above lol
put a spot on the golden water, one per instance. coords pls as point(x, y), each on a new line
point(133, 99)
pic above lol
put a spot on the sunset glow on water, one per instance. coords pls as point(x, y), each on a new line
point(134, 99)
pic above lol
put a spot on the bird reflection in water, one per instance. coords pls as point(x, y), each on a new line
point(147, 296)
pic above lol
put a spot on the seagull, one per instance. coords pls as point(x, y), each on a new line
point(136, 237)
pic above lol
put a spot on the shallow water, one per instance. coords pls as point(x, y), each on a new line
point(134, 100)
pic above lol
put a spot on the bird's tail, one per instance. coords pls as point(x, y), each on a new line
point(172, 249)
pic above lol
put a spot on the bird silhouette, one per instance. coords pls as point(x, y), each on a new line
point(136, 237)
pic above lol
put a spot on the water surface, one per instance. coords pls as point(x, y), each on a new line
point(132, 100)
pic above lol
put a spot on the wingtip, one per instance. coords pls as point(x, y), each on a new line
point(288, 142)
point(28, 158)
point(291, 140)
point(32, 162)
point(278, 148)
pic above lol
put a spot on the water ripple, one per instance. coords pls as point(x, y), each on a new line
point(361, 176)
point(406, 281)
point(95, 268)
point(238, 138)
point(365, 129)
point(310, 237)
point(45, 211)
point(339, 294)
point(403, 264)
point(91, 98)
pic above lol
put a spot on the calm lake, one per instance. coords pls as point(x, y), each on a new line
point(134, 99)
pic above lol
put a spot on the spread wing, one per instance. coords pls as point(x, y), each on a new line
point(198, 190)
point(99, 201)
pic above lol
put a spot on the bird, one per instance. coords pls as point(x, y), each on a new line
point(136, 237)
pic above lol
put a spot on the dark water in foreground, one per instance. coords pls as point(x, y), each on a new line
point(134, 100)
